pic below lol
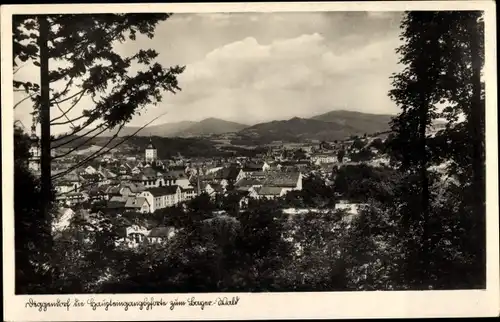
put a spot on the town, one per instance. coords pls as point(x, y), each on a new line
point(123, 182)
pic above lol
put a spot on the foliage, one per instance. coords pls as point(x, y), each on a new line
point(363, 155)
point(32, 260)
point(341, 154)
point(443, 56)
point(363, 183)
point(357, 144)
point(315, 263)
point(93, 68)
point(315, 193)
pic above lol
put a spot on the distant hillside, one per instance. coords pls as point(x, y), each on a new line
point(297, 129)
point(363, 122)
point(181, 129)
point(211, 126)
point(164, 130)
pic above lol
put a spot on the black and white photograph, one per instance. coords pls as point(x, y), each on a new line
point(248, 152)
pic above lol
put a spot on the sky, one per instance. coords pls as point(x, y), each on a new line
point(258, 67)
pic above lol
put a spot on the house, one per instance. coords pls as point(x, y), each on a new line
point(228, 175)
point(188, 193)
point(70, 182)
point(107, 174)
point(256, 175)
point(267, 192)
point(137, 204)
point(293, 166)
point(98, 192)
point(90, 170)
point(131, 189)
point(213, 188)
point(63, 219)
point(253, 167)
point(71, 198)
point(135, 235)
point(161, 234)
point(163, 197)
point(177, 177)
point(213, 170)
point(247, 183)
point(149, 177)
point(288, 181)
point(243, 203)
point(323, 158)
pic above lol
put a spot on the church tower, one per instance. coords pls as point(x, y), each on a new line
point(151, 153)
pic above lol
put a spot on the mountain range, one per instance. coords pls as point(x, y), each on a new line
point(334, 125)
point(182, 129)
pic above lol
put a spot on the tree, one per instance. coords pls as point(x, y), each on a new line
point(341, 155)
point(315, 263)
point(377, 144)
point(364, 154)
point(357, 144)
point(84, 45)
point(465, 141)
point(443, 54)
point(299, 154)
point(32, 258)
point(414, 91)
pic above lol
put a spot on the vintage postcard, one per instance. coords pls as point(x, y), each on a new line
point(249, 161)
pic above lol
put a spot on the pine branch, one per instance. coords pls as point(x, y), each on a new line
point(70, 97)
point(70, 82)
point(60, 109)
point(73, 133)
point(91, 157)
point(69, 109)
point(21, 101)
point(82, 186)
point(76, 148)
point(98, 153)
point(75, 138)
point(19, 68)
point(69, 121)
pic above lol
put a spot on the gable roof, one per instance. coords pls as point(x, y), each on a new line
point(113, 190)
point(115, 204)
point(282, 179)
point(161, 231)
point(228, 173)
point(246, 182)
point(187, 188)
point(164, 191)
point(135, 202)
point(134, 187)
point(269, 191)
point(176, 174)
point(118, 199)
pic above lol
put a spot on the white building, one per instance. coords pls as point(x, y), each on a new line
point(151, 152)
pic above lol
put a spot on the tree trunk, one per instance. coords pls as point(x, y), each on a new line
point(476, 120)
point(46, 185)
point(477, 135)
point(425, 196)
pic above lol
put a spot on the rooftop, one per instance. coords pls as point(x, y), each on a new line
point(164, 191)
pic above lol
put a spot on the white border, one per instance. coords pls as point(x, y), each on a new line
point(267, 305)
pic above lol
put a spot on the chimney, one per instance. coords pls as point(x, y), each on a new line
point(198, 180)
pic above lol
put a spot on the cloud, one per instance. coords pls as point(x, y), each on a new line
point(303, 76)
point(251, 67)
